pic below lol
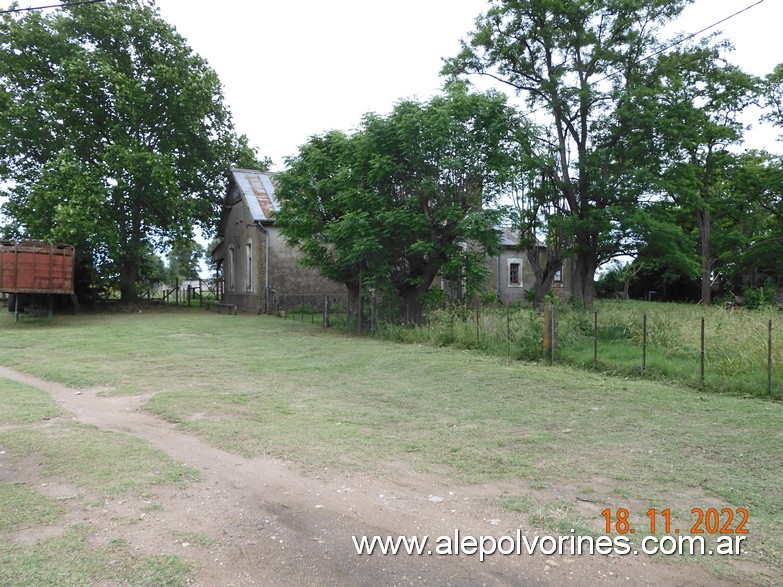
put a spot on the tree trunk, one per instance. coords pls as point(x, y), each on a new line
point(129, 272)
point(413, 308)
point(130, 265)
point(545, 274)
point(353, 298)
point(583, 276)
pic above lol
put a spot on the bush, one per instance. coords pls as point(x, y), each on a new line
point(756, 298)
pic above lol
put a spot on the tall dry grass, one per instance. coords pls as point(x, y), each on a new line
point(736, 342)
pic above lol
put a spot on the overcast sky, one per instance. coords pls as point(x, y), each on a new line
point(294, 69)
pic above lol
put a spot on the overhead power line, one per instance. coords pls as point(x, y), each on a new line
point(66, 5)
point(679, 42)
point(699, 32)
point(676, 43)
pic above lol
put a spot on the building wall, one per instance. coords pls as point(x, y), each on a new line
point(241, 232)
point(248, 282)
point(287, 276)
point(511, 284)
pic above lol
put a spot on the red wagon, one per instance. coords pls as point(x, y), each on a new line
point(30, 269)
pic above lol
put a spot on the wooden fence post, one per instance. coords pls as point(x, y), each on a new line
point(553, 326)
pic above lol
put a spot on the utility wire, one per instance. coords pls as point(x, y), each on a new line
point(686, 38)
point(13, 10)
point(651, 55)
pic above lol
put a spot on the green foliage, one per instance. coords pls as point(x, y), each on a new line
point(579, 66)
point(152, 271)
point(755, 298)
point(773, 94)
point(611, 283)
point(696, 108)
point(749, 242)
point(399, 199)
point(184, 259)
point(116, 134)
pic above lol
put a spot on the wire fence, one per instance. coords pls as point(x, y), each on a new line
point(736, 351)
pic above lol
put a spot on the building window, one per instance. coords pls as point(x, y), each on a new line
point(513, 273)
point(249, 272)
point(558, 276)
point(232, 269)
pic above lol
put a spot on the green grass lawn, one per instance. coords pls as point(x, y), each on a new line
point(99, 465)
point(261, 385)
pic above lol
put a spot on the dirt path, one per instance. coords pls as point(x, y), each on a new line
point(269, 525)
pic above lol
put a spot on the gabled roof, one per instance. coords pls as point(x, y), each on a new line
point(257, 189)
point(509, 237)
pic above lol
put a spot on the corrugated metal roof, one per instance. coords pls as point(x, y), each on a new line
point(259, 192)
point(508, 238)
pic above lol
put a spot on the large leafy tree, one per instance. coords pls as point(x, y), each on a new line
point(696, 107)
point(773, 93)
point(184, 259)
point(116, 136)
point(577, 63)
point(538, 221)
point(748, 240)
point(659, 235)
point(406, 197)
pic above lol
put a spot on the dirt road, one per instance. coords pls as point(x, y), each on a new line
point(269, 525)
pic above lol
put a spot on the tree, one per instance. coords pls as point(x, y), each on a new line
point(152, 271)
point(773, 94)
point(749, 236)
point(407, 196)
point(696, 110)
point(577, 62)
point(663, 245)
point(116, 134)
point(541, 233)
point(184, 260)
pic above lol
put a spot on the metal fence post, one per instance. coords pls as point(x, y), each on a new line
point(478, 330)
point(769, 359)
point(373, 311)
point(549, 332)
point(701, 368)
point(508, 331)
point(553, 320)
point(644, 345)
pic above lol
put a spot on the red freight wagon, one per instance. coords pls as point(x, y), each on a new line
point(36, 267)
